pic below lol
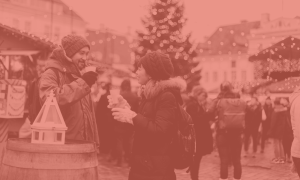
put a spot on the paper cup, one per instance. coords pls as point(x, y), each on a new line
point(90, 68)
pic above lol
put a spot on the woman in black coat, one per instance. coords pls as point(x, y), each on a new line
point(201, 117)
point(155, 121)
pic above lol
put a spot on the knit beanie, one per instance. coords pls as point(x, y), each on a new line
point(157, 65)
point(73, 43)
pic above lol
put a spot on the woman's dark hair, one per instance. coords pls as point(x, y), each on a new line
point(277, 101)
point(125, 85)
point(226, 87)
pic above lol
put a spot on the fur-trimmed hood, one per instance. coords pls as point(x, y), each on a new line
point(154, 88)
point(58, 60)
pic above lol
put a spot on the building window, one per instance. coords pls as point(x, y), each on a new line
point(215, 77)
point(56, 34)
point(57, 9)
point(47, 31)
point(244, 76)
point(27, 26)
point(233, 76)
point(206, 76)
point(233, 64)
point(225, 76)
point(15, 23)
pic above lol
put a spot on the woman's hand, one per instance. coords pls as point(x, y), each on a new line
point(117, 102)
point(123, 115)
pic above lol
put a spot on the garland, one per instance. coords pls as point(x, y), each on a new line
point(16, 109)
point(15, 98)
point(285, 65)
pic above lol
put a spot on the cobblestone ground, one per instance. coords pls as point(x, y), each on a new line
point(258, 168)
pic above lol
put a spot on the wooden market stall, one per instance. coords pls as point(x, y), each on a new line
point(280, 64)
point(21, 61)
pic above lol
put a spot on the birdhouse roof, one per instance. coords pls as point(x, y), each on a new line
point(50, 117)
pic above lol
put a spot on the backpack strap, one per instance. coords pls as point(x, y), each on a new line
point(56, 71)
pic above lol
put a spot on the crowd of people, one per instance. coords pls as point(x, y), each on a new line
point(142, 134)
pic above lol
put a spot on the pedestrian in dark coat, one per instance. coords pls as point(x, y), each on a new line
point(288, 132)
point(229, 142)
point(278, 123)
point(105, 123)
point(198, 110)
point(253, 118)
point(266, 123)
point(155, 122)
point(124, 131)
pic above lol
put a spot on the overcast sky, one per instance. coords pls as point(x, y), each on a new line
point(204, 16)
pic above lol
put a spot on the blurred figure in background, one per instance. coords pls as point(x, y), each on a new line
point(105, 122)
point(277, 130)
point(288, 132)
point(198, 110)
point(124, 131)
point(268, 109)
point(295, 121)
point(230, 110)
point(253, 119)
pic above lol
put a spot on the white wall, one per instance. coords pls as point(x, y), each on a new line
point(221, 65)
point(10, 13)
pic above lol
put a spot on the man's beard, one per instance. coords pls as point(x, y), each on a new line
point(81, 65)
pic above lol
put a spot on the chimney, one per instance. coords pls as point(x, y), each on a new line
point(265, 17)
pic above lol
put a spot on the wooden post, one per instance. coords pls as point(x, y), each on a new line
point(3, 137)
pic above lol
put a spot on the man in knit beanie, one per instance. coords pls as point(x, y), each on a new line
point(72, 88)
point(76, 48)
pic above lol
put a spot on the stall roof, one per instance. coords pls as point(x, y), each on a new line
point(286, 86)
point(40, 43)
point(289, 48)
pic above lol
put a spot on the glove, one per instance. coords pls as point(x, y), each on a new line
point(117, 102)
point(90, 78)
point(123, 115)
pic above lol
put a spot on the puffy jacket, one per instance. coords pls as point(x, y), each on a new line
point(73, 97)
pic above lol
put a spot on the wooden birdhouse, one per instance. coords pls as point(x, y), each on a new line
point(49, 126)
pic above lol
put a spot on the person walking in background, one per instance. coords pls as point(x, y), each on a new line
point(230, 110)
point(155, 122)
point(197, 108)
point(253, 119)
point(295, 121)
point(105, 122)
point(277, 130)
point(122, 130)
point(268, 109)
point(72, 88)
point(288, 132)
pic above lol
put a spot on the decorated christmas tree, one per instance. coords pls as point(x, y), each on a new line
point(164, 26)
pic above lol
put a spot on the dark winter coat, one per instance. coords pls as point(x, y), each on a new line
point(253, 118)
point(278, 122)
point(288, 132)
point(72, 95)
point(155, 125)
point(268, 110)
point(201, 120)
point(105, 123)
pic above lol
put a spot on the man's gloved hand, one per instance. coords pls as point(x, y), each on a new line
point(90, 78)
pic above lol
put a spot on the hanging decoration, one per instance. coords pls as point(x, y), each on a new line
point(12, 98)
point(281, 57)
